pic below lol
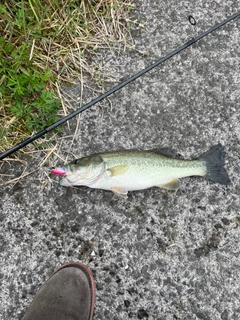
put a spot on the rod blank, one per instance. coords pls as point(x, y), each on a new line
point(116, 88)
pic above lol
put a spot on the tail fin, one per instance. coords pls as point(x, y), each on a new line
point(215, 159)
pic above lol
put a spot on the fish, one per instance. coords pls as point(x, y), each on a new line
point(129, 170)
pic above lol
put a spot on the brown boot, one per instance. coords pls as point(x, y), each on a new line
point(69, 294)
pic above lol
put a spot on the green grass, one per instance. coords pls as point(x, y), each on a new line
point(26, 105)
point(42, 44)
point(23, 89)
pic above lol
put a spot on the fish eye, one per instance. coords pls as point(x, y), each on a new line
point(77, 161)
point(82, 161)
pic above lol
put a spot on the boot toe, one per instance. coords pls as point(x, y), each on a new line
point(68, 294)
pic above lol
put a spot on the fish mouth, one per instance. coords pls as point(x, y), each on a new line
point(58, 171)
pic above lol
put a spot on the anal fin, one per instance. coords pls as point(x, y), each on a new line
point(173, 184)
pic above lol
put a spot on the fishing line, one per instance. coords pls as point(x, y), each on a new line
point(119, 86)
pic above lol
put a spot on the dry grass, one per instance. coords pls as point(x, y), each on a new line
point(77, 32)
point(63, 36)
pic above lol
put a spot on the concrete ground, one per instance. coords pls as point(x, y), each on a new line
point(158, 254)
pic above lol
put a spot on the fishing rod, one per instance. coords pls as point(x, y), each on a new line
point(119, 86)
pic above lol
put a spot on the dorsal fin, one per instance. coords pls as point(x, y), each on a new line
point(167, 152)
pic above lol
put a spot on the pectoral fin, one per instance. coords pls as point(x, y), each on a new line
point(173, 184)
point(120, 191)
point(117, 170)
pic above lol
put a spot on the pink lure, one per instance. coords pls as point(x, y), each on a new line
point(58, 171)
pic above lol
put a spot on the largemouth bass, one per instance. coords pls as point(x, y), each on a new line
point(129, 170)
